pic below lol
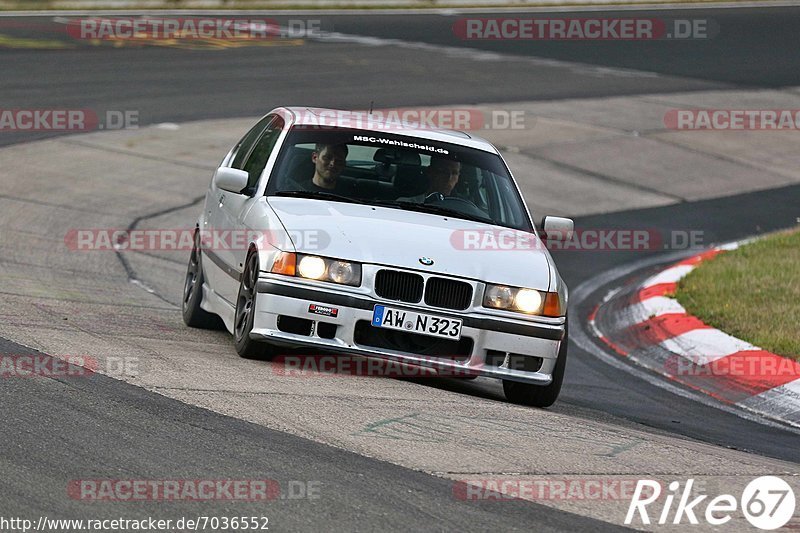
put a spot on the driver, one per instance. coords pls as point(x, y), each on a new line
point(329, 162)
point(442, 177)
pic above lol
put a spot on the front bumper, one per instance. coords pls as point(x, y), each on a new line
point(522, 337)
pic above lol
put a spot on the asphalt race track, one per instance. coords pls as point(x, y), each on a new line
point(58, 430)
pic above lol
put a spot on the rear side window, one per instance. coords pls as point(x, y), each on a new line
point(260, 153)
point(242, 150)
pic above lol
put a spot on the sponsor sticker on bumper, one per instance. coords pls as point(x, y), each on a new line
point(323, 310)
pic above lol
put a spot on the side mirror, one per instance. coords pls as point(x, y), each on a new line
point(558, 228)
point(231, 179)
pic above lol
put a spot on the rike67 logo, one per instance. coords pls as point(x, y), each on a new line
point(767, 502)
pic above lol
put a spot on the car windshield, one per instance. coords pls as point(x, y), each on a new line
point(399, 172)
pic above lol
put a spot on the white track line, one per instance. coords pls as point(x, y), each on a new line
point(670, 275)
point(653, 307)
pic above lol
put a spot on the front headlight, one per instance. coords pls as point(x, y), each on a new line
point(344, 272)
point(328, 269)
point(529, 301)
point(311, 267)
point(499, 297)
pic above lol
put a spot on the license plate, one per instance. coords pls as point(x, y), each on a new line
point(411, 322)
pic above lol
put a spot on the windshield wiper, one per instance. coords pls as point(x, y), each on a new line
point(319, 195)
point(435, 210)
point(409, 206)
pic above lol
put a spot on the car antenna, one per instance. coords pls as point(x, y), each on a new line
point(371, 102)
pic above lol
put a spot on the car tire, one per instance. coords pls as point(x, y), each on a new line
point(245, 314)
point(536, 395)
point(193, 315)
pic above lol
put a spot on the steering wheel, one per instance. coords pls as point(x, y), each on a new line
point(434, 198)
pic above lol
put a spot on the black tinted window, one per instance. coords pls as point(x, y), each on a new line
point(242, 149)
point(262, 150)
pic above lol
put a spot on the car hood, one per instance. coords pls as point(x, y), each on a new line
point(396, 237)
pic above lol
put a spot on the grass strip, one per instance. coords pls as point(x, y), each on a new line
point(752, 293)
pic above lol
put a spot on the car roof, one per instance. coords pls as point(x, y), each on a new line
point(361, 120)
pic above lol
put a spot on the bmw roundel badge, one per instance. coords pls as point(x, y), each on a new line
point(427, 261)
